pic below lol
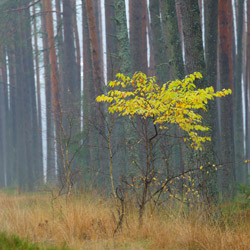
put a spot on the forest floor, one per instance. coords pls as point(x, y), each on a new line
point(89, 222)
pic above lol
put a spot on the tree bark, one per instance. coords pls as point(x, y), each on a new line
point(226, 81)
point(3, 130)
point(194, 56)
point(173, 43)
point(112, 41)
point(248, 87)
point(50, 138)
point(98, 83)
point(13, 115)
point(89, 113)
point(77, 46)
point(72, 86)
point(195, 62)
point(54, 80)
point(138, 35)
point(159, 48)
point(237, 99)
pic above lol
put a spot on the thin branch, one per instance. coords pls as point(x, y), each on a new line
point(23, 8)
point(160, 190)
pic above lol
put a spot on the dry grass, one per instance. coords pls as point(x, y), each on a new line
point(88, 223)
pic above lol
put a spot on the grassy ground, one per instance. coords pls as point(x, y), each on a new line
point(89, 222)
point(12, 242)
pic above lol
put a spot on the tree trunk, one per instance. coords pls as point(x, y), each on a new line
point(138, 35)
point(98, 20)
point(173, 43)
point(6, 120)
point(237, 98)
point(60, 50)
point(98, 82)
point(72, 86)
point(160, 59)
point(54, 81)
point(89, 114)
point(192, 37)
point(176, 71)
point(122, 37)
point(211, 54)
point(51, 163)
point(248, 87)
point(20, 111)
point(3, 130)
point(226, 81)
point(77, 46)
point(112, 41)
point(194, 62)
point(13, 116)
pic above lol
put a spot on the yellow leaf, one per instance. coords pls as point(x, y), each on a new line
point(176, 102)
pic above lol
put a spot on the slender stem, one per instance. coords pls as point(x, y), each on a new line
point(111, 155)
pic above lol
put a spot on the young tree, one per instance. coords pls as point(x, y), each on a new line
point(176, 102)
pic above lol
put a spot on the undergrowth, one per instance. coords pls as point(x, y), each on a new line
point(88, 221)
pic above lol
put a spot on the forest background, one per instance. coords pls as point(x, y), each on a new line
point(58, 56)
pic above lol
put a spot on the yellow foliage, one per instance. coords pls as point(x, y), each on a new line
point(176, 102)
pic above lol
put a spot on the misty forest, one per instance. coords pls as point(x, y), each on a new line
point(124, 124)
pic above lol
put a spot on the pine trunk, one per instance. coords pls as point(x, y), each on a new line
point(226, 105)
point(98, 84)
point(54, 82)
point(248, 87)
point(195, 62)
point(173, 43)
point(158, 46)
point(237, 99)
point(50, 138)
point(138, 35)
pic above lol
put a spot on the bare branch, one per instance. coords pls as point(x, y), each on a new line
point(23, 8)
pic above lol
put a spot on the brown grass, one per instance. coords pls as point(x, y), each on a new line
point(86, 222)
